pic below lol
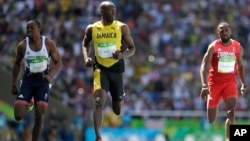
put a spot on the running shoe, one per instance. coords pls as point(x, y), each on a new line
point(31, 104)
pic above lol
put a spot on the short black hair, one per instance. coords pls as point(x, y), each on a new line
point(37, 23)
point(223, 23)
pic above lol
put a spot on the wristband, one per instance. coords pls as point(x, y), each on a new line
point(204, 88)
point(50, 76)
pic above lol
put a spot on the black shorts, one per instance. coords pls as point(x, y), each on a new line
point(33, 85)
point(111, 82)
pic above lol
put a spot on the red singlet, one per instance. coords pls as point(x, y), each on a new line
point(222, 72)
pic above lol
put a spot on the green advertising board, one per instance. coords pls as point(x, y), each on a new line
point(196, 130)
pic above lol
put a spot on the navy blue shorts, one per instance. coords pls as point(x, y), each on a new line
point(33, 85)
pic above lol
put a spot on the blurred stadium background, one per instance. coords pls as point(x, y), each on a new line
point(161, 80)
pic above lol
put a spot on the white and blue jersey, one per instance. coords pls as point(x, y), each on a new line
point(33, 84)
point(36, 61)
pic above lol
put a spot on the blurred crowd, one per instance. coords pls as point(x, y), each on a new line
point(171, 38)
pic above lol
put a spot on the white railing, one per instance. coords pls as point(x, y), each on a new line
point(191, 113)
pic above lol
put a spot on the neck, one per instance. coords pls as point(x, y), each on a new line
point(225, 43)
point(106, 23)
point(34, 38)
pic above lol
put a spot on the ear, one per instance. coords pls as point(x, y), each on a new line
point(40, 30)
point(230, 29)
point(217, 33)
point(101, 10)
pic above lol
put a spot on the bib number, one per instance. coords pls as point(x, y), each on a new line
point(226, 65)
point(105, 50)
point(38, 65)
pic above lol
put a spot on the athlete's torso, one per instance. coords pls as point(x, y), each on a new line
point(107, 40)
point(224, 62)
point(36, 61)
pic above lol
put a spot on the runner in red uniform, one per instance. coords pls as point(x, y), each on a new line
point(220, 65)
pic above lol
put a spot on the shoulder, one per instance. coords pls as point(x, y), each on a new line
point(211, 46)
point(236, 42)
point(214, 43)
point(124, 27)
point(121, 24)
point(50, 44)
point(89, 28)
point(22, 45)
point(95, 24)
point(49, 41)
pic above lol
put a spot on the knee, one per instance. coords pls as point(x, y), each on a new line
point(98, 102)
point(211, 121)
point(116, 108)
point(230, 113)
point(19, 114)
point(18, 118)
point(117, 111)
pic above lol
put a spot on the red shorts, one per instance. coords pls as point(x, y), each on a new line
point(225, 91)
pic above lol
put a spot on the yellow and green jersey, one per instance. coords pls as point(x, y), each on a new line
point(107, 40)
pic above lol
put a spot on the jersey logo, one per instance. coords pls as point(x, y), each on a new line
point(20, 96)
point(106, 35)
point(46, 96)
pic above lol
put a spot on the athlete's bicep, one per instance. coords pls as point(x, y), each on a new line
point(208, 56)
point(240, 60)
point(87, 38)
point(205, 66)
point(53, 52)
point(126, 35)
point(19, 53)
point(86, 42)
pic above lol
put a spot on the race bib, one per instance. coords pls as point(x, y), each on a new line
point(226, 65)
point(38, 65)
point(105, 50)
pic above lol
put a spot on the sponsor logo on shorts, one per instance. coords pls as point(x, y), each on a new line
point(20, 96)
point(46, 96)
point(121, 97)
